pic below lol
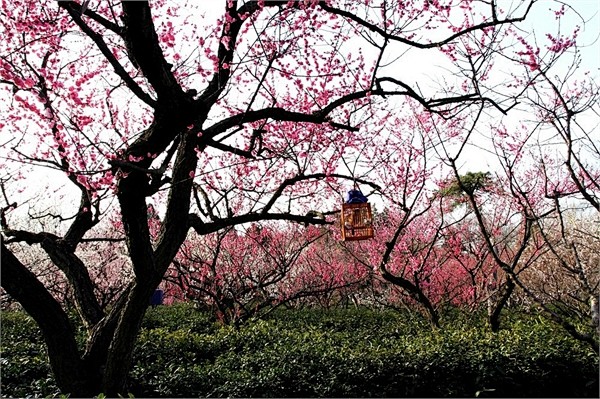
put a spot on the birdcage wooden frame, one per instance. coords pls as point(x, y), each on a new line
point(356, 221)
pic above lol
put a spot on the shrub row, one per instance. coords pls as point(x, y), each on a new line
point(24, 369)
point(336, 353)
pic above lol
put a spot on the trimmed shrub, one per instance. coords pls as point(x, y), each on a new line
point(334, 353)
point(24, 366)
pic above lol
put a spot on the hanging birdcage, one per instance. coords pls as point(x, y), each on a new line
point(356, 217)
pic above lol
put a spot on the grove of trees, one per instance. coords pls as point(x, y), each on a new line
point(204, 148)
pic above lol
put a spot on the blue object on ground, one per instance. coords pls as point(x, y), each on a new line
point(157, 298)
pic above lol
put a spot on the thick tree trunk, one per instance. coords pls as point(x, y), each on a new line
point(69, 371)
point(78, 275)
point(120, 352)
point(105, 364)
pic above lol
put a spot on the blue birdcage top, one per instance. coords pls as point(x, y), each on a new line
point(356, 197)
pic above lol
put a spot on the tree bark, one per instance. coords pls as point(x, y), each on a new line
point(418, 294)
point(78, 275)
point(496, 307)
point(120, 352)
point(68, 369)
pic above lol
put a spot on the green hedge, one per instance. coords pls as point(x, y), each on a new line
point(24, 369)
point(340, 353)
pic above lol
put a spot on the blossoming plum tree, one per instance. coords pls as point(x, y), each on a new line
point(548, 164)
point(219, 114)
point(242, 273)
